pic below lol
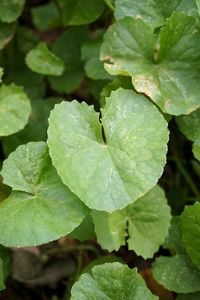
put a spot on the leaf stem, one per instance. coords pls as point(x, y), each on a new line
point(187, 177)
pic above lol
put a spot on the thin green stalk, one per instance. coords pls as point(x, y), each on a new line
point(187, 177)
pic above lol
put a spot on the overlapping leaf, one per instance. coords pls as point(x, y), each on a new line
point(148, 222)
point(111, 281)
point(80, 12)
point(190, 225)
point(154, 12)
point(176, 273)
point(94, 68)
point(41, 60)
point(46, 16)
point(108, 175)
point(165, 67)
point(36, 129)
point(40, 208)
point(14, 109)
point(190, 127)
point(68, 48)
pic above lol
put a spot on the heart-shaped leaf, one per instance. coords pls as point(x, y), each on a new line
point(40, 208)
point(146, 222)
point(111, 281)
point(108, 175)
point(166, 68)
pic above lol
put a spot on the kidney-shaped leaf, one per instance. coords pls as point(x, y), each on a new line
point(14, 109)
point(41, 60)
point(190, 225)
point(147, 222)
point(111, 281)
point(10, 10)
point(154, 12)
point(166, 68)
point(108, 175)
point(40, 208)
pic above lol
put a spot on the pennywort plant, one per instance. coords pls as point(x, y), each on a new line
point(100, 144)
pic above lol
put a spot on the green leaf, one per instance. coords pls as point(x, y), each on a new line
point(153, 12)
point(190, 127)
point(146, 222)
point(176, 273)
point(111, 281)
point(19, 73)
point(165, 68)
point(68, 48)
point(14, 109)
point(120, 81)
point(40, 208)
point(109, 175)
point(80, 12)
point(10, 10)
point(6, 33)
point(85, 231)
point(46, 16)
point(190, 225)
point(41, 60)
point(36, 129)
point(94, 68)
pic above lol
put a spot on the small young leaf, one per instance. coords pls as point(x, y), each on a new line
point(14, 109)
point(147, 222)
point(41, 60)
point(10, 10)
point(40, 208)
point(80, 12)
point(190, 127)
point(190, 225)
point(111, 281)
point(109, 175)
point(153, 12)
point(165, 68)
point(68, 48)
point(176, 273)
